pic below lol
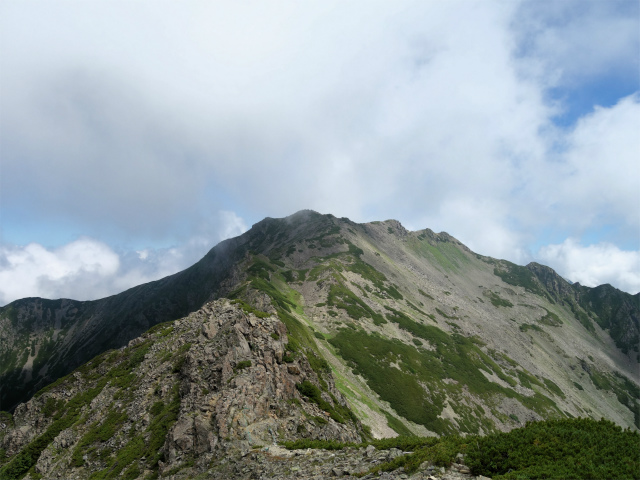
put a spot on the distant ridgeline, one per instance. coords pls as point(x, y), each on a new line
point(423, 335)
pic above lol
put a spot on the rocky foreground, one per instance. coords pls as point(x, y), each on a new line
point(182, 400)
point(207, 396)
point(278, 462)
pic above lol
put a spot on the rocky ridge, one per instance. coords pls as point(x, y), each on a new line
point(318, 464)
point(216, 384)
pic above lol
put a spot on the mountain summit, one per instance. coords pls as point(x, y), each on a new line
point(421, 334)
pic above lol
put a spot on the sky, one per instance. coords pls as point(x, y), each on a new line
point(135, 136)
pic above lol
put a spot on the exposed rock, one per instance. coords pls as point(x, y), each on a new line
point(220, 370)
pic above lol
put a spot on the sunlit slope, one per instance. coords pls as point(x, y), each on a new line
point(424, 335)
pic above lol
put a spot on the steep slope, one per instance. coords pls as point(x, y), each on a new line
point(423, 335)
point(42, 340)
point(428, 337)
point(183, 397)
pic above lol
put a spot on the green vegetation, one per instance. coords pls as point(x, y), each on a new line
point(425, 294)
point(260, 268)
point(550, 319)
point(98, 432)
point(249, 309)
point(51, 406)
point(441, 313)
point(163, 418)
point(336, 411)
point(445, 253)
point(180, 357)
point(613, 310)
point(552, 387)
point(582, 317)
point(343, 298)
point(498, 301)
point(520, 276)
point(242, 365)
point(281, 300)
point(627, 392)
point(527, 380)
point(288, 275)
point(396, 425)
point(301, 340)
point(558, 449)
point(119, 375)
point(527, 326)
point(568, 449)
point(28, 456)
point(398, 372)
point(131, 452)
point(6, 418)
point(412, 306)
point(369, 273)
point(405, 443)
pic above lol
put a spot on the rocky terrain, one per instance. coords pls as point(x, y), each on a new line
point(207, 396)
point(338, 331)
point(350, 462)
point(42, 340)
point(216, 384)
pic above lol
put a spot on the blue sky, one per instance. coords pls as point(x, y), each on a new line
point(134, 136)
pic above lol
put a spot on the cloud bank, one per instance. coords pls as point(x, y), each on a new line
point(129, 123)
point(595, 265)
point(88, 269)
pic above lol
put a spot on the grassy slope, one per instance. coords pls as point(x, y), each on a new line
point(358, 301)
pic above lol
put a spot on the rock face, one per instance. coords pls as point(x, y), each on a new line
point(215, 384)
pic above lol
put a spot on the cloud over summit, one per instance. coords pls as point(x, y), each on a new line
point(129, 123)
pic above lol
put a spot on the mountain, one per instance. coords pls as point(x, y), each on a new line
point(209, 395)
point(211, 386)
point(422, 335)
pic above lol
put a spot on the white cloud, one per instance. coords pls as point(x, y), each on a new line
point(74, 269)
point(603, 171)
point(574, 40)
point(87, 269)
point(303, 105)
point(232, 225)
point(593, 182)
point(594, 265)
point(140, 118)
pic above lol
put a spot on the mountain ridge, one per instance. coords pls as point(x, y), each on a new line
point(374, 279)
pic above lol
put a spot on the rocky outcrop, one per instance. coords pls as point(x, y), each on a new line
point(317, 464)
point(559, 289)
point(216, 384)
